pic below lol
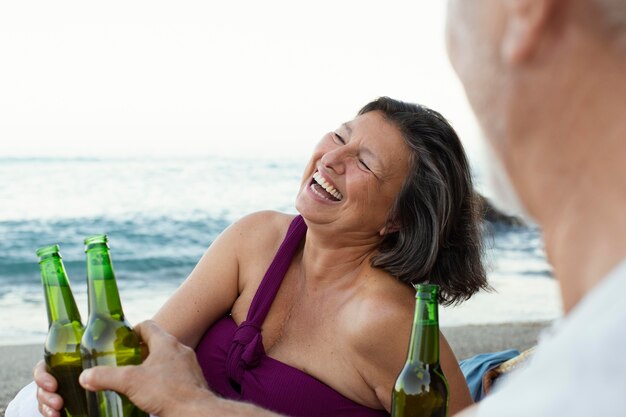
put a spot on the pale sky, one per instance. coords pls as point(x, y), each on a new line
point(243, 78)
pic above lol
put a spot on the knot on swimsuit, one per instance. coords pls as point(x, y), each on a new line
point(246, 350)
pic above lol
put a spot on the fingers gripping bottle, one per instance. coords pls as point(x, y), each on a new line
point(421, 389)
point(109, 338)
point(65, 330)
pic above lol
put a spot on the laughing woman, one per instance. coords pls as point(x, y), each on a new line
point(311, 315)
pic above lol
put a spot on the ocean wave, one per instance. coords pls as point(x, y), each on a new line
point(166, 248)
point(161, 245)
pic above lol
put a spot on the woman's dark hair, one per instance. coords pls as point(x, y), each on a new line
point(439, 238)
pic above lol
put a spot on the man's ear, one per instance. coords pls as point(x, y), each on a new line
point(526, 21)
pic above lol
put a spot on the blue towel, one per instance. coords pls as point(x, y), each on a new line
point(475, 367)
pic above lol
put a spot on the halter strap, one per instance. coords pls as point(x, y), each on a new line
point(247, 346)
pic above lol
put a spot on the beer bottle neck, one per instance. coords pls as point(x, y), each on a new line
point(424, 346)
point(104, 298)
point(60, 303)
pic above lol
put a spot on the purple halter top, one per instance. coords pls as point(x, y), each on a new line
point(235, 364)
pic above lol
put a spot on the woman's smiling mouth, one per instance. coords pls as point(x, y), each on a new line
point(323, 189)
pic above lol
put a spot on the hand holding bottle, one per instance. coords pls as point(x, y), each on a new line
point(168, 383)
point(168, 380)
point(50, 403)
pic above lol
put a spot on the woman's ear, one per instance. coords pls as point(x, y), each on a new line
point(389, 227)
point(526, 20)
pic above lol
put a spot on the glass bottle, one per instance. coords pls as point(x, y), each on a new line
point(65, 330)
point(421, 389)
point(109, 338)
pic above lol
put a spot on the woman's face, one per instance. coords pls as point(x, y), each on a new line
point(355, 175)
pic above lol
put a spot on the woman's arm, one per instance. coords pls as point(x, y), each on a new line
point(216, 282)
point(460, 396)
point(206, 295)
point(208, 292)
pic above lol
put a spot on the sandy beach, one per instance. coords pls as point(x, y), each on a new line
point(16, 362)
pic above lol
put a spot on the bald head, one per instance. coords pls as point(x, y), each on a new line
point(547, 80)
point(507, 50)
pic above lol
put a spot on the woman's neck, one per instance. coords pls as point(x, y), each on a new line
point(331, 260)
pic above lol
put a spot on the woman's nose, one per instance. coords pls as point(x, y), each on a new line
point(335, 160)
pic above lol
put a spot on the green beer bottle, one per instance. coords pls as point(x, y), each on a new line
point(109, 338)
point(65, 329)
point(421, 389)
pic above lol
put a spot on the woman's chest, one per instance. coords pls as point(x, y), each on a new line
point(309, 332)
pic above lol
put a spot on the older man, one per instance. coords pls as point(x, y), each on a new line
point(547, 79)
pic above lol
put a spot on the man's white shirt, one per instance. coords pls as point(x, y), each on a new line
point(579, 367)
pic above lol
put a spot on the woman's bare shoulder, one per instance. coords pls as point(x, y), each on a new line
point(255, 239)
point(259, 229)
point(383, 311)
point(380, 333)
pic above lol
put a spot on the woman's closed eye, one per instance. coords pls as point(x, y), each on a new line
point(364, 165)
point(338, 138)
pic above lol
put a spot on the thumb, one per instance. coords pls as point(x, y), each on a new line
point(106, 378)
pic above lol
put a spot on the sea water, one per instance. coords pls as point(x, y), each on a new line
point(162, 214)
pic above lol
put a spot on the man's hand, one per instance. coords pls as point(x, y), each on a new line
point(168, 383)
point(50, 403)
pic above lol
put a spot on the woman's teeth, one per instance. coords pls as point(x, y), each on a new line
point(326, 186)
